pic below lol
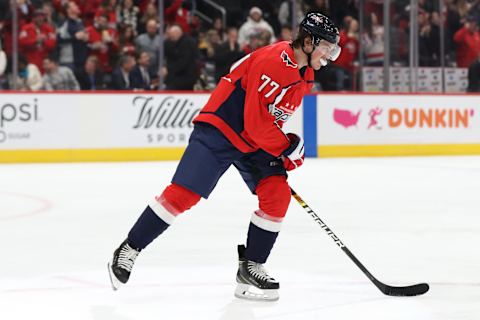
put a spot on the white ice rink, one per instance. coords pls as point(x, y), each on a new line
point(408, 220)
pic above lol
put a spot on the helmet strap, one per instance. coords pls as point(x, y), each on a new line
point(309, 55)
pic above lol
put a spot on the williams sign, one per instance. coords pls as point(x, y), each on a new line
point(166, 119)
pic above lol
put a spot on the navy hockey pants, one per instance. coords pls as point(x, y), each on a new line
point(209, 154)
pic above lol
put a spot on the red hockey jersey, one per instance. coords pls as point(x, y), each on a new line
point(261, 92)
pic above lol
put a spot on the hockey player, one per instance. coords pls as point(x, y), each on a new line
point(241, 125)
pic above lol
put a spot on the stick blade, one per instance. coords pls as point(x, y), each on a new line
point(408, 291)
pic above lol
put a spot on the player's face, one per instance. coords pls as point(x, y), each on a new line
point(323, 52)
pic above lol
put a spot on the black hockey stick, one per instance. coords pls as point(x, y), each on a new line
point(414, 290)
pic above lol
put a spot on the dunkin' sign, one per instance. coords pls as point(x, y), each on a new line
point(395, 119)
point(430, 118)
point(408, 118)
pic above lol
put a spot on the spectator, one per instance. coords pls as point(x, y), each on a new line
point(218, 26)
point(467, 40)
point(227, 53)
point(474, 76)
point(72, 38)
point(195, 26)
point(25, 12)
point(171, 7)
point(142, 4)
point(90, 77)
point(58, 77)
point(128, 14)
point(348, 56)
point(102, 42)
point(121, 75)
point(376, 7)
point(269, 10)
point(126, 40)
point(87, 8)
point(452, 25)
point(178, 13)
point(150, 13)
point(255, 42)
point(139, 76)
point(209, 44)
point(37, 39)
point(462, 7)
point(373, 41)
point(285, 12)
point(399, 43)
point(181, 55)
point(254, 24)
point(51, 17)
point(429, 47)
point(150, 43)
point(29, 76)
point(285, 34)
point(265, 38)
point(109, 8)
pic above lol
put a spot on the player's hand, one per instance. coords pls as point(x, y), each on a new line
point(294, 156)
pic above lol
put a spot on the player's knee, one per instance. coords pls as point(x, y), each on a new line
point(178, 199)
point(274, 195)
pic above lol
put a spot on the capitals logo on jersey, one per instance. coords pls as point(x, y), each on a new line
point(287, 60)
point(282, 113)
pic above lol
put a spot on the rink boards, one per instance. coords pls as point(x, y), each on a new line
point(63, 127)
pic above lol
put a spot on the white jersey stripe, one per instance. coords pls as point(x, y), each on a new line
point(239, 62)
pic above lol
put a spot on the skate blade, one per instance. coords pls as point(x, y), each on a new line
point(249, 292)
point(113, 280)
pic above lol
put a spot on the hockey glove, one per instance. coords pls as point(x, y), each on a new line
point(294, 155)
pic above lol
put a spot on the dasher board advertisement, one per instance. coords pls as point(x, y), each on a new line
point(52, 121)
point(421, 121)
point(45, 127)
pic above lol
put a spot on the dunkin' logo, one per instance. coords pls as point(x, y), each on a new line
point(345, 118)
point(429, 118)
point(374, 113)
point(410, 118)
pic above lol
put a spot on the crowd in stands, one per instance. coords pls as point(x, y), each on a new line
point(115, 44)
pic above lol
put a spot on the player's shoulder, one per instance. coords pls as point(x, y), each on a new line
point(278, 59)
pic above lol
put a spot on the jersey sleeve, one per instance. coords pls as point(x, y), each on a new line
point(27, 39)
point(460, 35)
point(264, 86)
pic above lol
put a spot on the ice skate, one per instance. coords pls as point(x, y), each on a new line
point(253, 281)
point(120, 267)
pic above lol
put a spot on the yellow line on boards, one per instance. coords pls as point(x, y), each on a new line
point(156, 154)
point(397, 150)
point(87, 155)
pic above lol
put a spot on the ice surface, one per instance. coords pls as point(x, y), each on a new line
point(408, 220)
